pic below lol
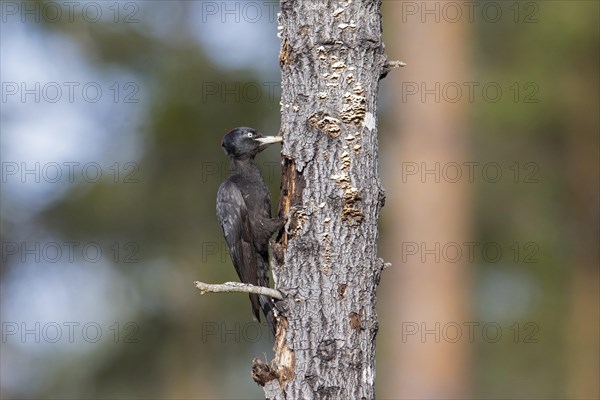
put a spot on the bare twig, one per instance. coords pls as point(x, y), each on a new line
point(237, 287)
point(396, 64)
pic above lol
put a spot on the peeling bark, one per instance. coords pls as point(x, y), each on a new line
point(326, 262)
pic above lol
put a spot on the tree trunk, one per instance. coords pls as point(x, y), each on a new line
point(427, 211)
point(326, 262)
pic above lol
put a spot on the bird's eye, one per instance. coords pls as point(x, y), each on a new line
point(250, 134)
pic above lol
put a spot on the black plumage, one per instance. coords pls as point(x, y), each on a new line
point(244, 213)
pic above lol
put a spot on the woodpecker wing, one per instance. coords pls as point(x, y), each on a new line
point(235, 222)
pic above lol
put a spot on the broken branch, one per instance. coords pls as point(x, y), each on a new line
point(237, 287)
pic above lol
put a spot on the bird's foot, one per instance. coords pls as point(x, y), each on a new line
point(294, 220)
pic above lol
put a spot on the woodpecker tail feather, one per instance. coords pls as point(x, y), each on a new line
point(269, 310)
point(255, 306)
point(267, 304)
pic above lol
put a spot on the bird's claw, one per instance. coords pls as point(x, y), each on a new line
point(293, 220)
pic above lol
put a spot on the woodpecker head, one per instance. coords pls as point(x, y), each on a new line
point(243, 143)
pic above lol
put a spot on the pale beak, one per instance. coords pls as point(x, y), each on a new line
point(267, 140)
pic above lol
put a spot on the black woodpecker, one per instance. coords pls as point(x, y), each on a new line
point(244, 212)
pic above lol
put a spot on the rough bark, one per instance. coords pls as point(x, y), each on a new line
point(326, 262)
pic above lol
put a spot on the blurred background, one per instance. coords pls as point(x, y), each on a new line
point(111, 121)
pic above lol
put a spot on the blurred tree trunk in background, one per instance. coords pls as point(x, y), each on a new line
point(331, 58)
point(427, 211)
point(583, 326)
